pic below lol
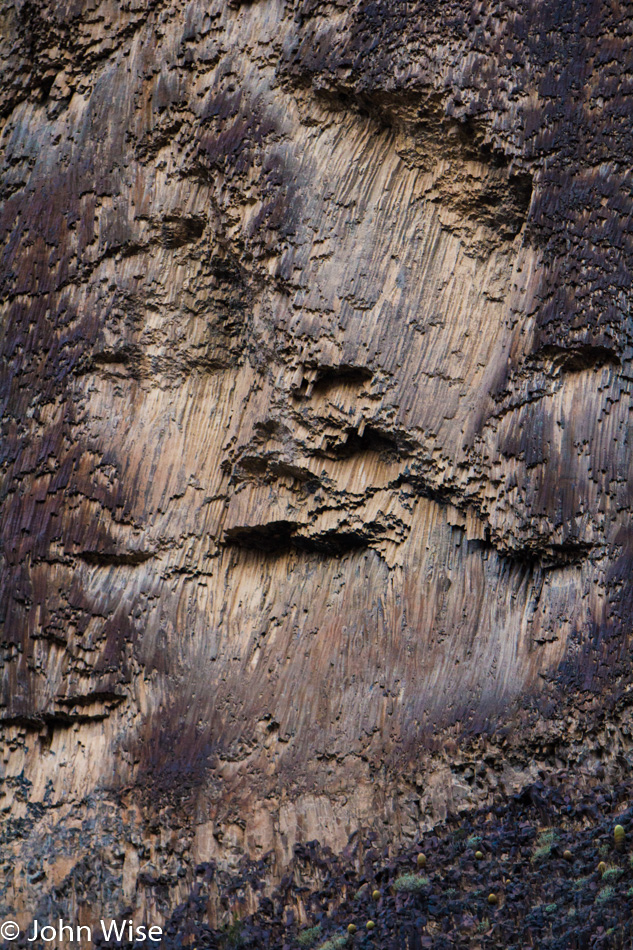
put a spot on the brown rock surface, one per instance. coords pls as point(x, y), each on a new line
point(316, 387)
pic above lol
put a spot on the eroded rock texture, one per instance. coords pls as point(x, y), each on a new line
point(316, 388)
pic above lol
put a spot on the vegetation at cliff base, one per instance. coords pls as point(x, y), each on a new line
point(555, 877)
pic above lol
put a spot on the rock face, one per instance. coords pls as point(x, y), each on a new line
point(316, 460)
point(530, 872)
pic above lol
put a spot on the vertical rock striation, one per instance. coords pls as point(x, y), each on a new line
point(316, 387)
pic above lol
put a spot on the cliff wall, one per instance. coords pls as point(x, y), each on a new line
point(316, 456)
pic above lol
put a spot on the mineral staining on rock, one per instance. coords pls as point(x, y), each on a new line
point(550, 904)
point(316, 388)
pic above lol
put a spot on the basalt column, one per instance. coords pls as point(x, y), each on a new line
point(316, 390)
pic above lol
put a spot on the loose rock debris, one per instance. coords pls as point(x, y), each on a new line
point(551, 877)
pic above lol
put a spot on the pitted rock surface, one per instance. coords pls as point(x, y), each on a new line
point(316, 388)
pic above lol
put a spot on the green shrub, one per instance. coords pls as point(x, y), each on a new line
point(551, 908)
point(581, 882)
point(335, 942)
point(545, 842)
point(410, 883)
point(307, 938)
point(473, 841)
point(611, 874)
point(231, 937)
point(606, 894)
point(541, 853)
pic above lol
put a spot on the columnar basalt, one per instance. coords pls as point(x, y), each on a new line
point(316, 386)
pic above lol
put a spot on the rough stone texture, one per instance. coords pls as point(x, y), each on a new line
point(539, 853)
point(316, 386)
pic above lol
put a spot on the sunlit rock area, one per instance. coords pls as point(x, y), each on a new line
point(315, 471)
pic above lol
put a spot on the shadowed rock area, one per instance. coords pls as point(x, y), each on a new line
point(507, 877)
point(315, 466)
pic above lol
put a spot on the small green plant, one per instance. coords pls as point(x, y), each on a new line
point(629, 893)
point(611, 874)
point(545, 843)
point(307, 938)
point(473, 841)
point(581, 882)
point(483, 925)
point(604, 895)
point(551, 908)
point(603, 850)
point(571, 912)
point(231, 938)
point(410, 883)
point(335, 942)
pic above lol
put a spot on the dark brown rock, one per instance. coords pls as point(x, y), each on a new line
point(316, 391)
